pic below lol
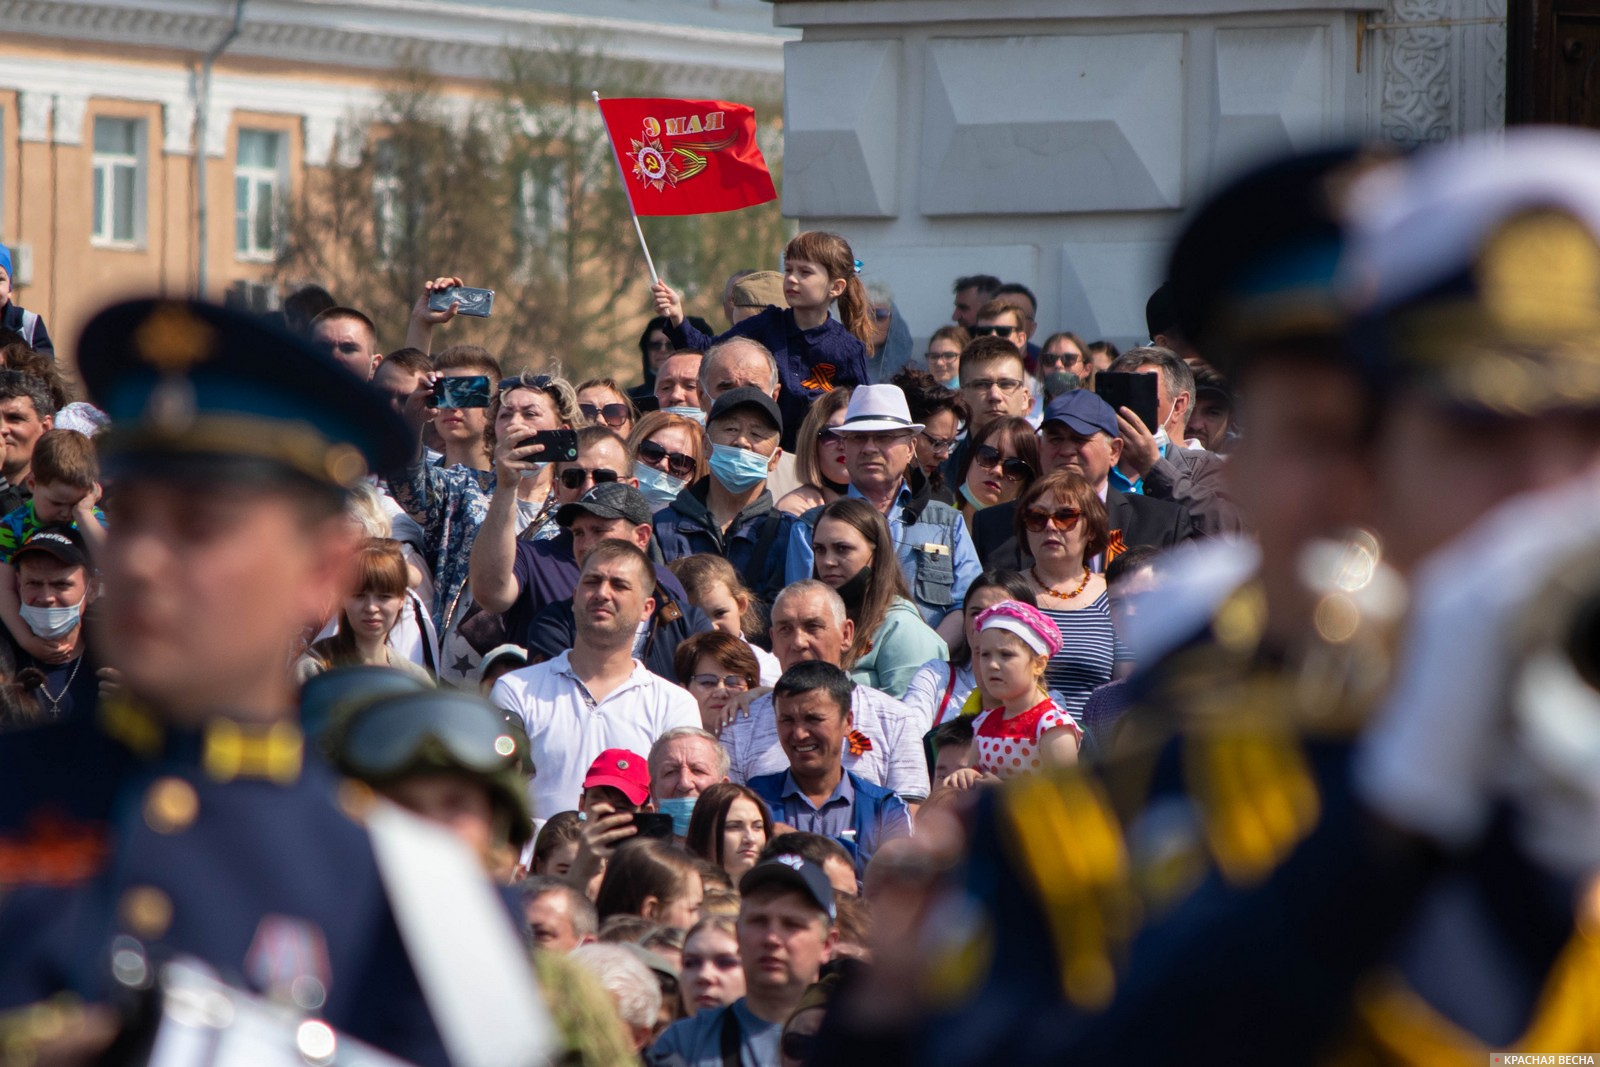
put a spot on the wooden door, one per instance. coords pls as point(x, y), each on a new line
point(1553, 62)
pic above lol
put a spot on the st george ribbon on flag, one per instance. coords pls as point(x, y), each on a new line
point(687, 157)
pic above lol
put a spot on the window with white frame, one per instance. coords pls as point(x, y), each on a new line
point(118, 161)
point(258, 188)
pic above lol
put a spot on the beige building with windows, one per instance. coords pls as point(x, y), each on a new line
point(106, 119)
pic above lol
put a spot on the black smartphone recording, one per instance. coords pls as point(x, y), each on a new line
point(1137, 392)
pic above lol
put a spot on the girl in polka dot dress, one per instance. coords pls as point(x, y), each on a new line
point(1028, 730)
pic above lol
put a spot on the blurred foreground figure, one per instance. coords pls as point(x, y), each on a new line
point(188, 819)
point(1326, 858)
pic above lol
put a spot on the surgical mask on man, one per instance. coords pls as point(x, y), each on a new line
point(681, 809)
point(53, 622)
point(697, 414)
point(738, 469)
point(657, 487)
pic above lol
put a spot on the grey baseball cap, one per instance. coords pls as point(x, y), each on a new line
point(608, 500)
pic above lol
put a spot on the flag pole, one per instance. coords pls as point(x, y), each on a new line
point(623, 174)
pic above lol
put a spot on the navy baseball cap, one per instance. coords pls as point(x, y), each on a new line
point(792, 872)
point(1083, 412)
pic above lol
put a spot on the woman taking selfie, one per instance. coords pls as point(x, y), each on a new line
point(854, 556)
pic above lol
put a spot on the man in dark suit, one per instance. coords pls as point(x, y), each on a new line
point(1080, 433)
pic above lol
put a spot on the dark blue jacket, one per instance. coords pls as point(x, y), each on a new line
point(810, 362)
point(13, 317)
point(686, 527)
point(255, 867)
point(876, 815)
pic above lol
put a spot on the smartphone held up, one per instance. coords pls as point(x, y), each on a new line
point(479, 303)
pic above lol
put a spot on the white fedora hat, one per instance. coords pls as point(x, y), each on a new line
point(877, 409)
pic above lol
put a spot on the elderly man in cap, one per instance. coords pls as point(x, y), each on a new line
point(744, 361)
point(1080, 433)
point(55, 583)
point(786, 933)
point(611, 510)
point(930, 538)
point(595, 694)
point(730, 511)
point(179, 818)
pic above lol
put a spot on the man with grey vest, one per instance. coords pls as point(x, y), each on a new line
point(931, 541)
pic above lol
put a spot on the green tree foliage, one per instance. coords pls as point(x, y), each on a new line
point(515, 191)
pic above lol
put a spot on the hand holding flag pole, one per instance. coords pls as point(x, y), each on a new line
point(688, 157)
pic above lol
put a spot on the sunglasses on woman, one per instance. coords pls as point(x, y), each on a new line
point(1013, 469)
point(541, 382)
point(1037, 520)
point(614, 414)
point(577, 477)
point(734, 682)
point(677, 463)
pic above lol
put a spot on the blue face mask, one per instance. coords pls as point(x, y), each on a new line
point(657, 487)
point(697, 414)
point(953, 383)
point(680, 808)
point(737, 469)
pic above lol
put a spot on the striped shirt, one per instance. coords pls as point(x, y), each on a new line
point(1088, 653)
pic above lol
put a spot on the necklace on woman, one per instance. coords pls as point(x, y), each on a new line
point(1057, 593)
point(55, 701)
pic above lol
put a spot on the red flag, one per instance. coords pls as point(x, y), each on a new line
point(688, 157)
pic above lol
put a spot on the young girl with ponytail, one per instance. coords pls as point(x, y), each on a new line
point(814, 352)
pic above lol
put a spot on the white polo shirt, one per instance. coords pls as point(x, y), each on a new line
point(568, 729)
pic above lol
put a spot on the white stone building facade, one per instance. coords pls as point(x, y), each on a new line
point(1059, 142)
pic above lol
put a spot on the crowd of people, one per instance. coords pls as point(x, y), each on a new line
point(809, 700)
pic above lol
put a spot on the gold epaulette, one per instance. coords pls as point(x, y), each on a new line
point(1395, 1025)
point(1070, 850)
point(24, 1030)
point(1252, 784)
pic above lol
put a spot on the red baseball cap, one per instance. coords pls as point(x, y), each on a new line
point(621, 769)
